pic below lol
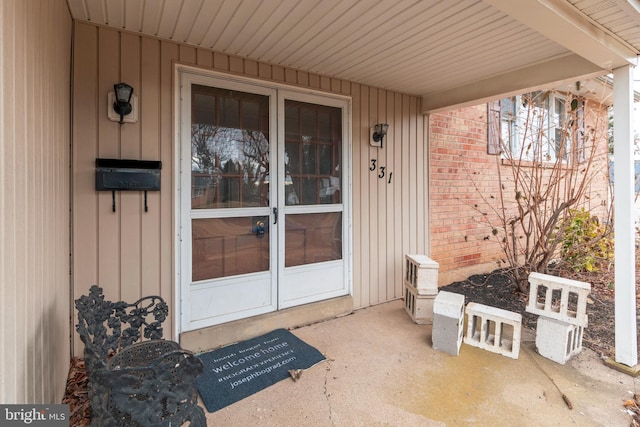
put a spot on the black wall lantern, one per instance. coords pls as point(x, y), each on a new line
point(122, 104)
point(379, 131)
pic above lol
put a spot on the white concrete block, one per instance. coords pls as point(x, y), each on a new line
point(558, 341)
point(422, 274)
point(493, 329)
point(558, 298)
point(419, 307)
point(448, 322)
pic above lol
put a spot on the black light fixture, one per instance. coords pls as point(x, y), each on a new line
point(122, 104)
point(379, 131)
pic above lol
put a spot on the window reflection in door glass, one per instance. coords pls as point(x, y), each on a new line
point(313, 154)
point(312, 238)
point(223, 247)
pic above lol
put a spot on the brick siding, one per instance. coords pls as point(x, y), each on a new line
point(464, 189)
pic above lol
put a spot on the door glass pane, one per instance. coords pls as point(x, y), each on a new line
point(313, 154)
point(313, 238)
point(224, 247)
point(229, 149)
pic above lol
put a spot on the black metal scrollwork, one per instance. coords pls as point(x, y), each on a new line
point(133, 382)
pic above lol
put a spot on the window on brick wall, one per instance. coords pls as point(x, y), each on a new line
point(538, 126)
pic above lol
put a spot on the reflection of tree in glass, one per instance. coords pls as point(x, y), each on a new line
point(213, 146)
point(309, 153)
point(239, 157)
point(203, 157)
point(255, 149)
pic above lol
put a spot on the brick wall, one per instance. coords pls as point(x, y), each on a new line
point(464, 189)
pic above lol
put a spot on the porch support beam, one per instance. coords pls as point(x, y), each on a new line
point(625, 273)
point(565, 70)
point(567, 26)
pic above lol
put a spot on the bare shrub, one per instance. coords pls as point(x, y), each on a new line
point(543, 180)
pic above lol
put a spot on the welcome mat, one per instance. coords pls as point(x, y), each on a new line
point(234, 372)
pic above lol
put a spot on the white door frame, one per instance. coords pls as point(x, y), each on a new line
point(182, 198)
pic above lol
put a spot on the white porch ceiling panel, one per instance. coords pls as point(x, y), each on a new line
point(445, 50)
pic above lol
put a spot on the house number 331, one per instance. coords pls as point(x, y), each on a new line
point(382, 171)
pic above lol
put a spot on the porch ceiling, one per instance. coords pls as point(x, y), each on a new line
point(450, 52)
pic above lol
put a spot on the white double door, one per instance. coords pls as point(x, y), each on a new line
point(263, 217)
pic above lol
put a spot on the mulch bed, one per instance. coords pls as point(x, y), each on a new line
point(496, 289)
point(76, 394)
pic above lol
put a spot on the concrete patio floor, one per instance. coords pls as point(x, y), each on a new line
point(382, 371)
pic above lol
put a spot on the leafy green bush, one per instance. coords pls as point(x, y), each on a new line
point(587, 245)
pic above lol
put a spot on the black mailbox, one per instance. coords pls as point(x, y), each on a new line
point(128, 175)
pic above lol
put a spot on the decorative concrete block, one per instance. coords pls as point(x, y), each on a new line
point(419, 307)
point(558, 341)
point(558, 298)
point(493, 329)
point(422, 274)
point(448, 322)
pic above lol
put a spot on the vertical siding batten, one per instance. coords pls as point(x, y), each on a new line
point(413, 179)
point(149, 102)
point(398, 143)
point(40, 155)
point(31, 165)
point(406, 195)
point(21, 201)
point(204, 58)
point(169, 54)
point(109, 223)
point(356, 190)
point(381, 187)
point(426, 235)
point(8, 349)
point(364, 258)
point(390, 259)
point(372, 189)
point(130, 209)
point(85, 201)
point(420, 181)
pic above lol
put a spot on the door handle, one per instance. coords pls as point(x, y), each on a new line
point(259, 228)
point(275, 215)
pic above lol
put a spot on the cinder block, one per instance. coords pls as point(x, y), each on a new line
point(558, 298)
point(422, 274)
point(493, 329)
point(558, 341)
point(419, 307)
point(448, 322)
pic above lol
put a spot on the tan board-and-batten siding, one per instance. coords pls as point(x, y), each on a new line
point(130, 253)
point(35, 40)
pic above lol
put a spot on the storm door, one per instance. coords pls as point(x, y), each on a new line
point(312, 260)
point(262, 215)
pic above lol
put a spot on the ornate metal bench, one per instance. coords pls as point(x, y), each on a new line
point(136, 382)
